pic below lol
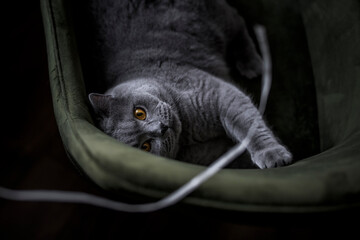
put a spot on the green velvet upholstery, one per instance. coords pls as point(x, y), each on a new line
point(314, 107)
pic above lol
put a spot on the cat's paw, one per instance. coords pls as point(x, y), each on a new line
point(250, 69)
point(272, 157)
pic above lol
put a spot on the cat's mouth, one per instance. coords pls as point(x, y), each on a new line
point(169, 144)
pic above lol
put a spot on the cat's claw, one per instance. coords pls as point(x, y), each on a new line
point(273, 157)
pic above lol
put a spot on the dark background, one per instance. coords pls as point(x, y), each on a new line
point(33, 158)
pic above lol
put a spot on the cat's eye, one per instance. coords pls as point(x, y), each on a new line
point(146, 146)
point(140, 114)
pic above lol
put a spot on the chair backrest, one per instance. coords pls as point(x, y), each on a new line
point(333, 34)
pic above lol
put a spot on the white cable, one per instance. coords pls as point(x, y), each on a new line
point(179, 194)
point(260, 33)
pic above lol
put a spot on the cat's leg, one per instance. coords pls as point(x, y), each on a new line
point(239, 117)
point(242, 50)
point(248, 61)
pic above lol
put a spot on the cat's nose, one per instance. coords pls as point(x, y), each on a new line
point(158, 129)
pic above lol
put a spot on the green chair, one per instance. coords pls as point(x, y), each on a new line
point(316, 57)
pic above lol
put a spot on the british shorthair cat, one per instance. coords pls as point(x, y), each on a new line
point(170, 93)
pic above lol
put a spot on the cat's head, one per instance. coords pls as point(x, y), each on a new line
point(137, 113)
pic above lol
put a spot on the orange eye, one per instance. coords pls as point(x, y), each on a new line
point(146, 146)
point(140, 114)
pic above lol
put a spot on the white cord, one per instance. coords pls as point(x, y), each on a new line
point(260, 33)
point(179, 194)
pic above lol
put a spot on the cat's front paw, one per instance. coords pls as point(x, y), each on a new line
point(272, 157)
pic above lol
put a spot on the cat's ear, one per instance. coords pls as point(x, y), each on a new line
point(100, 103)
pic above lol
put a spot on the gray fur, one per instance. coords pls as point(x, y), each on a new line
point(169, 58)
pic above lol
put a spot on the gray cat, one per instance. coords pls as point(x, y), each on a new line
point(169, 88)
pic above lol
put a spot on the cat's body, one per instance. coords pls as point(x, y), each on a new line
point(169, 88)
